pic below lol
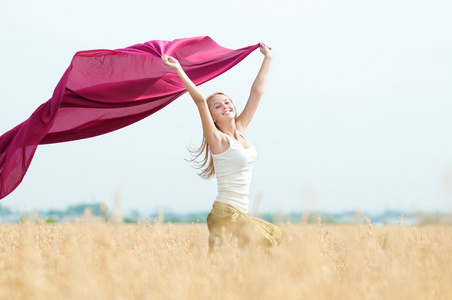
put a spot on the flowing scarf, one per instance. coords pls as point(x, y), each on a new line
point(105, 90)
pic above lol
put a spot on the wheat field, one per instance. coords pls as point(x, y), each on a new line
point(95, 260)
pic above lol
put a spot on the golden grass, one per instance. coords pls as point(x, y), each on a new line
point(157, 261)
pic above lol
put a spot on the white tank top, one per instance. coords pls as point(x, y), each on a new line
point(233, 170)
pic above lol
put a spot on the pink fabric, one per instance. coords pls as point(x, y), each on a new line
point(104, 90)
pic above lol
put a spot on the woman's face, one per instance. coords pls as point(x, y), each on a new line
point(221, 108)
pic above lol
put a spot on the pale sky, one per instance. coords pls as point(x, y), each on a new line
point(356, 113)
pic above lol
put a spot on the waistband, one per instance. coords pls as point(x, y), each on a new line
point(222, 208)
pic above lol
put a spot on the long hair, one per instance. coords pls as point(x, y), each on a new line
point(206, 163)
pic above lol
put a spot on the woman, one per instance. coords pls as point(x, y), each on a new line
point(230, 157)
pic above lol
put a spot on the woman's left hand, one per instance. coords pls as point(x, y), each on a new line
point(265, 50)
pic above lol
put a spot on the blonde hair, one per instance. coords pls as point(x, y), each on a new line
point(206, 164)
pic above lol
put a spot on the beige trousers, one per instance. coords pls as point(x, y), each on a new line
point(226, 219)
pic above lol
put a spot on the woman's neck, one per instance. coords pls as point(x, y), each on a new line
point(229, 129)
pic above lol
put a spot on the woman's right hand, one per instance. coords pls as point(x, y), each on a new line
point(171, 62)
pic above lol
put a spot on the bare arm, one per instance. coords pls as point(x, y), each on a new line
point(212, 135)
point(257, 90)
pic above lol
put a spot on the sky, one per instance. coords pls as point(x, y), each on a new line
point(356, 114)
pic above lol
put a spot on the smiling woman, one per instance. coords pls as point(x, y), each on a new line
point(229, 157)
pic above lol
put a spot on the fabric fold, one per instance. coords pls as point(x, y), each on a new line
point(105, 90)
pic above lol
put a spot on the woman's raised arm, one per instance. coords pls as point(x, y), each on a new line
point(210, 131)
point(257, 90)
point(192, 89)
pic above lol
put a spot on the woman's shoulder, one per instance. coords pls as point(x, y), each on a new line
point(222, 146)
